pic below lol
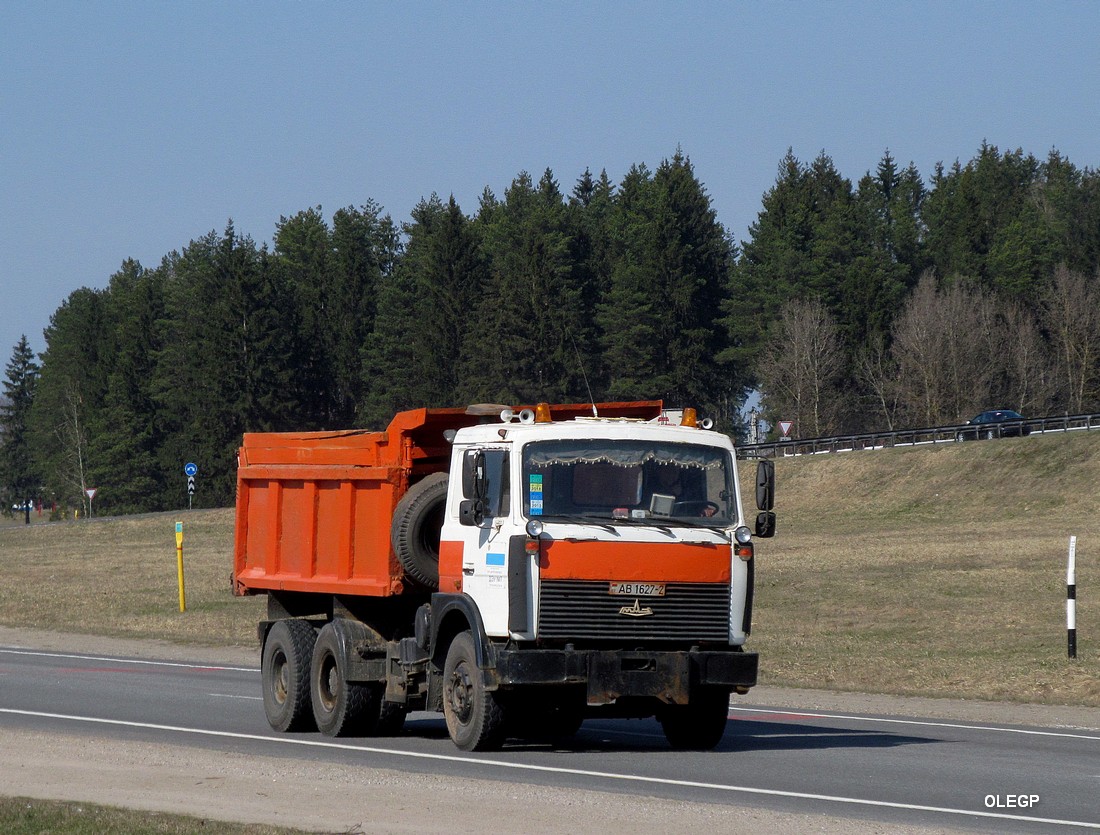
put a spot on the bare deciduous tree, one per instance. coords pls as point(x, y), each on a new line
point(800, 366)
point(877, 371)
point(1028, 373)
point(948, 346)
point(1071, 313)
point(73, 438)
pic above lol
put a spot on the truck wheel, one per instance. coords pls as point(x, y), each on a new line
point(553, 720)
point(698, 725)
point(566, 720)
point(417, 521)
point(475, 717)
point(340, 707)
point(284, 673)
point(391, 719)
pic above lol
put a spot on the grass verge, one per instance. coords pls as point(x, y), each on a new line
point(23, 816)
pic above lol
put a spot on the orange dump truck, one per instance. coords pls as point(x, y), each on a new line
point(518, 570)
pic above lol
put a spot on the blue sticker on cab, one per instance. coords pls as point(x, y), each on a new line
point(534, 489)
point(494, 559)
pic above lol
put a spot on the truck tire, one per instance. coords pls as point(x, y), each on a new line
point(698, 725)
point(475, 717)
point(340, 707)
point(284, 673)
point(391, 719)
point(414, 533)
point(554, 720)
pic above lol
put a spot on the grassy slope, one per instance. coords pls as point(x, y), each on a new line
point(934, 570)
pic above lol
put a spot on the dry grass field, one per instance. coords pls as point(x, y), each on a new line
point(116, 576)
point(937, 571)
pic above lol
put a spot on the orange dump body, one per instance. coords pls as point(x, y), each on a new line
point(314, 509)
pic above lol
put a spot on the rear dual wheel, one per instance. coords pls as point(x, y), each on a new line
point(284, 674)
point(305, 686)
point(340, 707)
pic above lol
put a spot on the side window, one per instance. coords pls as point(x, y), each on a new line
point(497, 482)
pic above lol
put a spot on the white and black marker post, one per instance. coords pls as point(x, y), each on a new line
point(1071, 598)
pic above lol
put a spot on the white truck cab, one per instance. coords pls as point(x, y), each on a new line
point(608, 558)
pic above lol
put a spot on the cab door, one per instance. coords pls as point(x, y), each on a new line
point(486, 531)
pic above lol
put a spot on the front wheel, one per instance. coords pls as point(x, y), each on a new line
point(698, 725)
point(475, 716)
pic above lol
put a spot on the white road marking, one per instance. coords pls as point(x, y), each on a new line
point(546, 769)
point(923, 722)
point(234, 696)
point(134, 661)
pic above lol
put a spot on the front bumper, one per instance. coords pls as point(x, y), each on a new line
point(609, 675)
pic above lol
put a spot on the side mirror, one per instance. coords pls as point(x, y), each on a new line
point(471, 512)
point(473, 474)
point(765, 524)
point(765, 485)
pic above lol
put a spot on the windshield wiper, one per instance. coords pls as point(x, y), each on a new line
point(578, 519)
point(667, 523)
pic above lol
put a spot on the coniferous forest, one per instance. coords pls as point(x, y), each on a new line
point(898, 300)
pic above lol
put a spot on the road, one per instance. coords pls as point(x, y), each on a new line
point(153, 729)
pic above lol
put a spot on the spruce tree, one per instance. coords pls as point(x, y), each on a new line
point(693, 260)
point(392, 363)
point(531, 310)
point(630, 307)
point(68, 396)
point(18, 479)
point(365, 249)
point(886, 257)
point(302, 254)
point(127, 431)
point(228, 362)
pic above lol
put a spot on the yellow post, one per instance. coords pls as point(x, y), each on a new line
point(179, 562)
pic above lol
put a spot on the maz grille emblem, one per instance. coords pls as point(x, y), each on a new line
point(636, 611)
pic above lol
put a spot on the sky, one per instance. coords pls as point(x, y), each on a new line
point(129, 129)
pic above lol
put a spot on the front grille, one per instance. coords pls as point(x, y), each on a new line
point(583, 609)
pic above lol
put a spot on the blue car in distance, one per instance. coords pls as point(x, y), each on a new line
point(995, 423)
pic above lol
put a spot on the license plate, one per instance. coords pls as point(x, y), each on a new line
point(638, 589)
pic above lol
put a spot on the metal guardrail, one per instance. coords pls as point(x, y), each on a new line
point(913, 437)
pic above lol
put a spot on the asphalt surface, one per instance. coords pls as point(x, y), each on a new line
point(879, 771)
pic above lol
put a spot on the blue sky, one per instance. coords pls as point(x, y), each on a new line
point(130, 129)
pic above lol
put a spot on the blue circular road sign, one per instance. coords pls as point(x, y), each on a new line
point(190, 469)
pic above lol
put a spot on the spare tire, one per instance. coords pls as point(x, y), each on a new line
point(417, 521)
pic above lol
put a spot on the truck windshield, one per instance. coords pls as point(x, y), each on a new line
point(632, 481)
